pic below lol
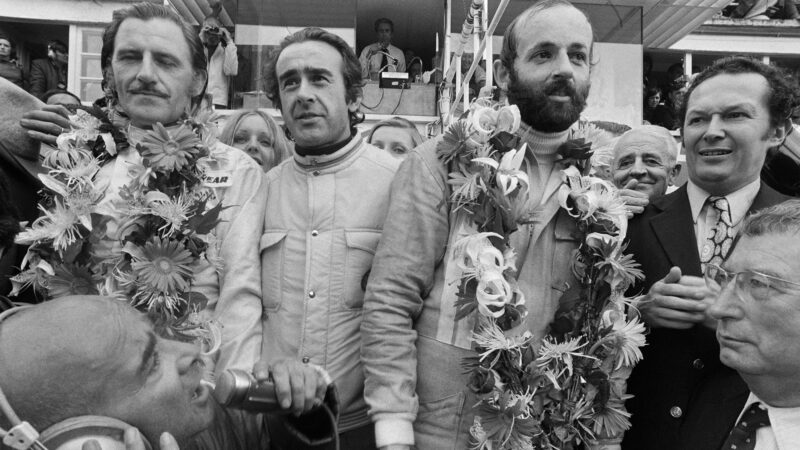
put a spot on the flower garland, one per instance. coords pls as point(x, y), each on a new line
point(569, 389)
point(144, 243)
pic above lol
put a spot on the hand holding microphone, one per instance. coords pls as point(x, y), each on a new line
point(286, 384)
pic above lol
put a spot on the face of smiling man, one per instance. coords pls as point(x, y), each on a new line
point(313, 95)
point(727, 131)
point(152, 71)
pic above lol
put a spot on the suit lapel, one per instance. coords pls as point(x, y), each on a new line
point(674, 230)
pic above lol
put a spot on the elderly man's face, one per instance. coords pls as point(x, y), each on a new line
point(759, 335)
point(647, 160)
point(727, 131)
point(153, 383)
point(550, 78)
point(313, 94)
point(152, 71)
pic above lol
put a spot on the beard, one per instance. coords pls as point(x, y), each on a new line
point(539, 111)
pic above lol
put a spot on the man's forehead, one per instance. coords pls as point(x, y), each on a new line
point(309, 56)
point(561, 25)
point(165, 34)
point(730, 89)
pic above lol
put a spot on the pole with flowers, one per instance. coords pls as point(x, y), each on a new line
point(567, 391)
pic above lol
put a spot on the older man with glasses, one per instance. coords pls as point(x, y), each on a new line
point(758, 312)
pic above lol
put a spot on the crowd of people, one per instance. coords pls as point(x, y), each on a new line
point(334, 252)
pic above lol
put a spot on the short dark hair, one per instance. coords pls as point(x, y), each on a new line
point(57, 46)
point(351, 67)
point(148, 11)
point(386, 21)
point(782, 90)
point(508, 53)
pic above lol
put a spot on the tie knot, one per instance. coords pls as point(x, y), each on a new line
point(720, 203)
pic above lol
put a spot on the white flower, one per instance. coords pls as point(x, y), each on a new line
point(491, 339)
point(493, 293)
point(475, 254)
point(509, 175)
point(59, 225)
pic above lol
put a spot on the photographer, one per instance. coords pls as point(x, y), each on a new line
point(222, 60)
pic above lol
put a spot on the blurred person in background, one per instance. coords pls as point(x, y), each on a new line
point(222, 59)
point(257, 134)
point(8, 67)
point(397, 135)
point(382, 56)
point(60, 97)
point(652, 99)
point(51, 72)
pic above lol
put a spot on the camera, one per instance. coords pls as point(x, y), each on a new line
point(212, 29)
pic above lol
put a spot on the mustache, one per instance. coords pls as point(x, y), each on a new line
point(144, 90)
point(560, 87)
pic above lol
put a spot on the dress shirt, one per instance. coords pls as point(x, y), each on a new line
point(784, 430)
point(703, 213)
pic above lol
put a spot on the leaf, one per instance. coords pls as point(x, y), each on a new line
point(467, 302)
point(205, 223)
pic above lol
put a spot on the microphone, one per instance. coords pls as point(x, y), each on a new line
point(239, 389)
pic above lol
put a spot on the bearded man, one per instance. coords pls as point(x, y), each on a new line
point(412, 349)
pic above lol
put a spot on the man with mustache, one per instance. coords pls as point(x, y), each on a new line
point(412, 345)
point(684, 396)
point(155, 69)
point(325, 209)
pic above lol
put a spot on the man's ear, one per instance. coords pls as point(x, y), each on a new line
point(673, 175)
point(501, 74)
point(354, 105)
point(778, 133)
point(199, 82)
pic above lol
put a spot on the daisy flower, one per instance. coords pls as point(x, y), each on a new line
point(174, 212)
point(163, 271)
point(167, 151)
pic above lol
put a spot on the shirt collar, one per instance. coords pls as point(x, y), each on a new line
point(739, 200)
point(785, 422)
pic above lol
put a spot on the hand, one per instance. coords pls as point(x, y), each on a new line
point(299, 387)
point(635, 201)
point(676, 301)
point(225, 36)
point(46, 124)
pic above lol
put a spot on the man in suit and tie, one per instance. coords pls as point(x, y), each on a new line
point(757, 307)
point(733, 112)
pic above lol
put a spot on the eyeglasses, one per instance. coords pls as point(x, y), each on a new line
point(750, 286)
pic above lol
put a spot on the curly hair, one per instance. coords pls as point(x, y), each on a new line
point(782, 90)
point(351, 67)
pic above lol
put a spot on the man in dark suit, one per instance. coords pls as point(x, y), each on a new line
point(685, 398)
point(51, 72)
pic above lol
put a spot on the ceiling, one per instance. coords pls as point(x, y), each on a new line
point(654, 23)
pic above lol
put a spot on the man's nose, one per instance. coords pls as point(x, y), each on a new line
point(146, 73)
point(726, 304)
point(638, 168)
point(305, 92)
point(715, 129)
point(563, 66)
point(185, 354)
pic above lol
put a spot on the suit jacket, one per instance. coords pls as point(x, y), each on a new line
point(684, 397)
point(45, 76)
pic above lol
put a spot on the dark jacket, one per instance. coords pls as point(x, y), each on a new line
point(685, 398)
point(46, 76)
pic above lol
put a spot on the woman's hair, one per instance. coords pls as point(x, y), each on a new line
point(280, 144)
point(398, 122)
